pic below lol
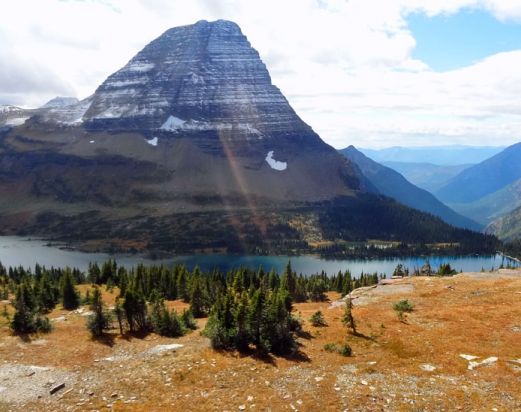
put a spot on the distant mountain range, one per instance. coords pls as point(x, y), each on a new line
point(428, 176)
point(438, 155)
point(484, 178)
point(487, 190)
point(390, 183)
point(189, 147)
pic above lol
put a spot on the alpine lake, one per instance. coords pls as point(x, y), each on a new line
point(26, 252)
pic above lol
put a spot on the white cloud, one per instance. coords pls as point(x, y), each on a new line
point(345, 66)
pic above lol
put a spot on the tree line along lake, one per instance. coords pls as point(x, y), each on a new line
point(19, 251)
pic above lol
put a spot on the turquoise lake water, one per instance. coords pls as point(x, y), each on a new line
point(15, 251)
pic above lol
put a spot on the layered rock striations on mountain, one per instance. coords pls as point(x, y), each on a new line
point(200, 77)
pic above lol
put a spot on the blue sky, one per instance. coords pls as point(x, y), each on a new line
point(451, 41)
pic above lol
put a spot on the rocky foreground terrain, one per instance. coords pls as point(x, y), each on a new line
point(458, 350)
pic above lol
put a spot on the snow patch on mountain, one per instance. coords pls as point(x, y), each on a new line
point(137, 66)
point(153, 142)
point(16, 121)
point(173, 123)
point(68, 115)
point(130, 82)
point(9, 109)
point(275, 164)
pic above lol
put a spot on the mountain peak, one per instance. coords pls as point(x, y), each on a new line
point(206, 75)
point(60, 101)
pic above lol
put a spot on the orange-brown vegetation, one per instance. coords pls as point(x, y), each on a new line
point(396, 365)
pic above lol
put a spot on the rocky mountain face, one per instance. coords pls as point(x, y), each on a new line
point(391, 183)
point(203, 77)
point(189, 144)
point(11, 116)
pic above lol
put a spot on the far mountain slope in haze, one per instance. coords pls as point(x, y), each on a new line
point(390, 183)
point(427, 176)
point(438, 155)
point(484, 178)
point(492, 206)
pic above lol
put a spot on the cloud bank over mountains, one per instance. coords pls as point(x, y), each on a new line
point(347, 67)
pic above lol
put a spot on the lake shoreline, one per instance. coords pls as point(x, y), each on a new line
point(16, 251)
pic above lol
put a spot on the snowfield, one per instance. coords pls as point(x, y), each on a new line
point(153, 142)
point(275, 164)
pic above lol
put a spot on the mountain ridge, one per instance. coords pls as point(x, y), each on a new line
point(391, 183)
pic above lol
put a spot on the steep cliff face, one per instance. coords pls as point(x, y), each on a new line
point(200, 77)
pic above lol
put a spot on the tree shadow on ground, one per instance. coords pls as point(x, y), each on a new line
point(128, 336)
point(358, 334)
point(106, 339)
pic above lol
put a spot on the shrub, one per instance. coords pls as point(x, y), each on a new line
point(345, 350)
point(402, 307)
point(446, 270)
point(165, 322)
point(317, 319)
point(330, 347)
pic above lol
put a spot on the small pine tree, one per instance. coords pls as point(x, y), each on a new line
point(243, 330)
point(23, 319)
point(98, 322)
point(198, 301)
point(70, 296)
point(347, 319)
point(165, 323)
point(317, 319)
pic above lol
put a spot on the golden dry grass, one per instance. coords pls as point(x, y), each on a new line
point(452, 316)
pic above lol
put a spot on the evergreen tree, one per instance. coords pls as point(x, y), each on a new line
point(289, 280)
point(165, 323)
point(198, 300)
point(70, 296)
point(94, 273)
point(99, 321)
point(135, 311)
point(347, 286)
point(220, 326)
point(182, 290)
point(347, 319)
point(23, 319)
point(241, 320)
point(47, 294)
